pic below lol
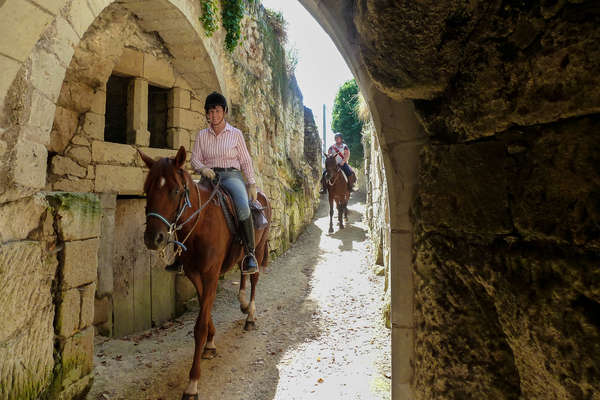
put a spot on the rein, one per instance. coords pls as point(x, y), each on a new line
point(176, 226)
point(337, 173)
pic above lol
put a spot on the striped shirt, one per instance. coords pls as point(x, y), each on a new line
point(225, 150)
point(341, 149)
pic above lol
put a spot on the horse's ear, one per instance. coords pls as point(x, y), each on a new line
point(147, 160)
point(325, 154)
point(180, 157)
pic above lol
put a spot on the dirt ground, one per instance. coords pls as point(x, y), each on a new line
point(320, 332)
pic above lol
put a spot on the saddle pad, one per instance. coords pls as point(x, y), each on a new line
point(258, 216)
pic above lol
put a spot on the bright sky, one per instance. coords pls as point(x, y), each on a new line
point(321, 68)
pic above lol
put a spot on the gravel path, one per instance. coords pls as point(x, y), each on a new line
point(320, 332)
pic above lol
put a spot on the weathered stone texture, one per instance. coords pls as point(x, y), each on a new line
point(27, 333)
point(78, 215)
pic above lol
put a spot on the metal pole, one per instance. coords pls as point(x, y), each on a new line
point(324, 129)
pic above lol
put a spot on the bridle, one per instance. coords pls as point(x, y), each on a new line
point(175, 226)
point(337, 173)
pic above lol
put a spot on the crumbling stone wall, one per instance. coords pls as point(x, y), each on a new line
point(48, 268)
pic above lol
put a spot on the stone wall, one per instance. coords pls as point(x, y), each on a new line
point(506, 218)
point(49, 259)
point(377, 211)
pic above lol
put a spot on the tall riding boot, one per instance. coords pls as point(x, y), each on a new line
point(351, 182)
point(323, 185)
point(249, 264)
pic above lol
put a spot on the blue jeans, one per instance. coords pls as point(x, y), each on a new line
point(234, 183)
point(347, 170)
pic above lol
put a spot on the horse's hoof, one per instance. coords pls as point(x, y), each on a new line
point(330, 230)
point(190, 396)
point(209, 354)
point(250, 326)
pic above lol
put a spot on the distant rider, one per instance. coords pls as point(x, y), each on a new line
point(342, 156)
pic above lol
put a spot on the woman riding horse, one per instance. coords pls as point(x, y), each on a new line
point(341, 152)
point(221, 149)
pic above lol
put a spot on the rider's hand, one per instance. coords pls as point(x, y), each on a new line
point(252, 192)
point(208, 173)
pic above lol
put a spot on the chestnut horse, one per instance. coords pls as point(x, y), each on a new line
point(337, 188)
point(185, 213)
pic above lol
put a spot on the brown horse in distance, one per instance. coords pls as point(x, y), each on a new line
point(337, 188)
point(174, 200)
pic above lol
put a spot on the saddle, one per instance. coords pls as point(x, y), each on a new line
point(225, 201)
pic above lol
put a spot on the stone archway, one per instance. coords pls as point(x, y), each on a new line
point(34, 76)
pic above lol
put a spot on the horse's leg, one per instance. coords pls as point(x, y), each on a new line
point(330, 214)
point(210, 349)
point(206, 289)
point(341, 214)
point(346, 208)
point(251, 319)
point(242, 294)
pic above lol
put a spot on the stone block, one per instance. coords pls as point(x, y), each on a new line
point(158, 71)
point(98, 105)
point(179, 98)
point(41, 114)
point(80, 16)
point(155, 154)
point(78, 352)
point(19, 218)
point(87, 305)
point(91, 172)
point(180, 82)
point(113, 153)
point(68, 313)
point(21, 25)
point(78, 214)
point(62, 40)
point(131, 179)
point(47, 73)
point(181, 118)
point(74, 389)
point(76, 96)
point(66, 166)
point(10, 68)
point(74, 185)
point(93, 125)
point(197, 106)
point(80, 140)
point(63, 129)
point(80, 262)
point(26, 333)
point(139, 137)
point(177, 137)
point(29, 165)
point(81, 154)
point(130, 63)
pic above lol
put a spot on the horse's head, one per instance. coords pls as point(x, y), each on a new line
point(330, 166)
point(165, 195)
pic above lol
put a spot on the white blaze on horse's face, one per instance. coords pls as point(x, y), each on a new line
point(162, 181)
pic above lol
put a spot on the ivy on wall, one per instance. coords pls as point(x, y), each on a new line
point(232, 12)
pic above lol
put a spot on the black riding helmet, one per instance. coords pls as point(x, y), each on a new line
point(215, 99)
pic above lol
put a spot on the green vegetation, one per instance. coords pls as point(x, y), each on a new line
point(345, 120)
point(232, 12)
point(209, 16)
point(273, 27)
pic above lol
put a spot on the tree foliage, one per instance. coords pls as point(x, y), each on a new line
point(346, 121)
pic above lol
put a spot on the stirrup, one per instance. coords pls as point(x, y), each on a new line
point(249, 270)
